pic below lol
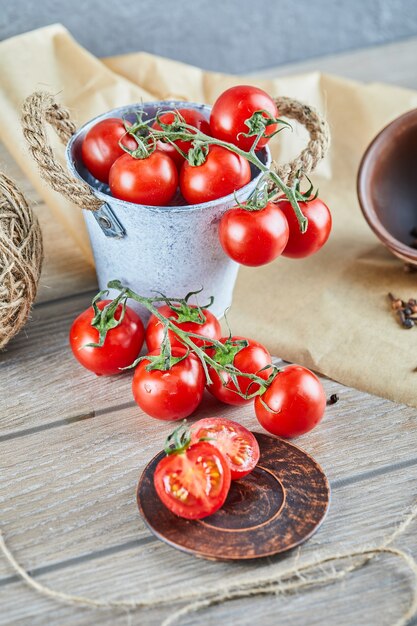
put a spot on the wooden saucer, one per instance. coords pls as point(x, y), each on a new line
point(273, 509)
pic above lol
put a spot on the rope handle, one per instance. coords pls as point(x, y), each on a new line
point(41, 108)
point(38, 109)
point(317, 146)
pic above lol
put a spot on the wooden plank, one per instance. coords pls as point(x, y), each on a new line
point(76, 494)
point(360, 514)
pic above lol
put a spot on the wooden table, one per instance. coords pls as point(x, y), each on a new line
point(72, 448)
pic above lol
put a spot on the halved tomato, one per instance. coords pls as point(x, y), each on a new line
point(237, 444)
point(193, 483)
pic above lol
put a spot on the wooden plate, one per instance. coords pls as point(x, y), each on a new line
point(273, 509)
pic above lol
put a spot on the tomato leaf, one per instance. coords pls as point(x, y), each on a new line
point(179, 440)
point(225, 354)
point(104, 319)
point(197, 154)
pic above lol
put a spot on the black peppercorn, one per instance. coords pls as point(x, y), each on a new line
point(333, 399)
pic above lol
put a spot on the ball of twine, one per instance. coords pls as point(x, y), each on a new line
point(21, 255)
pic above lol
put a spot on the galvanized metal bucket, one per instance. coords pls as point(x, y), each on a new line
point(170, 249)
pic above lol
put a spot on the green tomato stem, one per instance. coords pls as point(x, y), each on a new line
point(187, 339)
point(190, 133)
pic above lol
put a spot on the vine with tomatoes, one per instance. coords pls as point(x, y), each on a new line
point(186, 354)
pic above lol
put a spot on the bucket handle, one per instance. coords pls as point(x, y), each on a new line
point(318, 144)
point(38, 109)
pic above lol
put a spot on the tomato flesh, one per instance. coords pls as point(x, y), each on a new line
point(237, 444)
point(194, 483)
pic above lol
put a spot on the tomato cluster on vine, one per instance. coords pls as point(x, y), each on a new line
point(182, 156)
point(188, 354)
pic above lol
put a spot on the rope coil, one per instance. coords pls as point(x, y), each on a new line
point(21, 256)
point(41, 108)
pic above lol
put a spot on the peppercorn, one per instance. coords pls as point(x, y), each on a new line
point(333, 399)
point(408, 323)
point(407, 311)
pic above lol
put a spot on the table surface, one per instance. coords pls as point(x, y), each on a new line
point(72, 448)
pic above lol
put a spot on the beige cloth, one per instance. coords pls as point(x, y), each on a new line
point(328, 312)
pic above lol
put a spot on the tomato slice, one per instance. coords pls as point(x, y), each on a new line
point(237, 444)
point(194, 483)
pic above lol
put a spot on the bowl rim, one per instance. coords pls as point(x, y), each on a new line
point(401, 249)
point(240, 194)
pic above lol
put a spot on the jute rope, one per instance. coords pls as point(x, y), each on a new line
point(38, 109)
point(317, 571)
point(21, 255)
point(317, 146)
point(41, 108)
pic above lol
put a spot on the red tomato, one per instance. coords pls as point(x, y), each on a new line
point(121, 346)
point(254, 237)
point(100, 147)
point(169, 394)
point(155, 330)
point(250, 360)
point(194, 483)
point(233, 107)
point(222, 173)
point(318, 230)
point(236, 443)
point(169, 150)
point(297, 401)
point(193, 118)
point(152, 181)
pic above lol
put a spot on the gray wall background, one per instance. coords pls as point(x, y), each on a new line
point(235, 36)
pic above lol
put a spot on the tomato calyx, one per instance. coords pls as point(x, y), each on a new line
point(267, 383)
point(225, 355)
point(179, 440)
point(163, 362)
point(104, 319)
point(302, 196)
point(185, 312)
point(197, 155)
point(259, 122)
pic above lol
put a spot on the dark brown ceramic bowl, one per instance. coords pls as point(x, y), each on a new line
point(387, 186)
